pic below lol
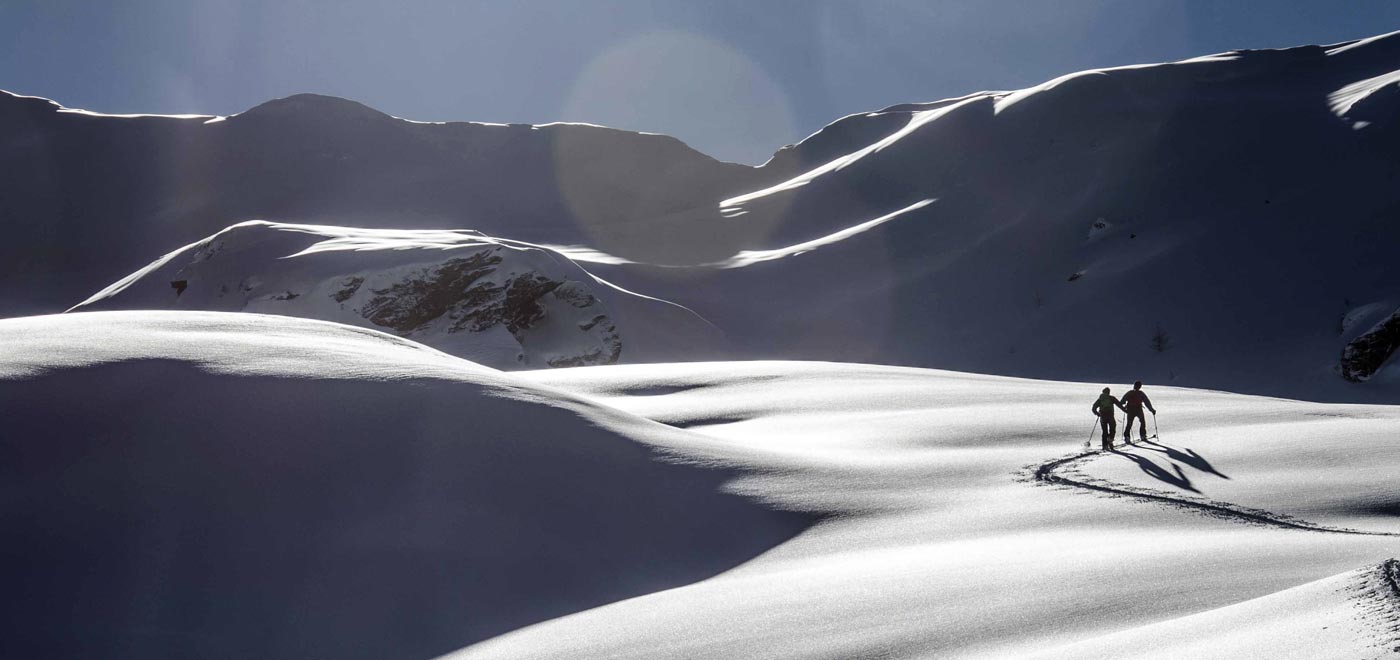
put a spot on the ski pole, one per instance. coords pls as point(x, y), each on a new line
point(1090, 442)
point(1155, 433)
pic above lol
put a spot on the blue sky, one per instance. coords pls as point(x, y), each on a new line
point(736, 79)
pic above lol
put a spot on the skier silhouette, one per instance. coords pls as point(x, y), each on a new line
point(1103, 407)
point(1133, 402)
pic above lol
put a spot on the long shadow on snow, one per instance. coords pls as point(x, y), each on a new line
point(1175, 476)
point(1185, 455)
point(1049, 472)
point(155, 510)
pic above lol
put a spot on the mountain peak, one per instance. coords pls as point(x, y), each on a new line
point(314, 106)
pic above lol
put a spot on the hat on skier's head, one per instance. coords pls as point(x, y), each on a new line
point(1105, 390)
point(1137, 385)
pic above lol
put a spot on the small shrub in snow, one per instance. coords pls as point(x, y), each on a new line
point(1160, 340)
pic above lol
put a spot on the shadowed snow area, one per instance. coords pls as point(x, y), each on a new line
point(943, 546)
point(209, 485)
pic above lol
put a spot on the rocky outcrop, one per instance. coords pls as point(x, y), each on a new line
point(500, 303)
point(469, 294)
point(1363, 357)
point(449, 288)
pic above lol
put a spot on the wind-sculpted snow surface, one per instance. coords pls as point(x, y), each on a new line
point(1065, 471)
point(195, 484)
point(501, 303)
point(939, 547)
point(207, 485)
point(1349, 461)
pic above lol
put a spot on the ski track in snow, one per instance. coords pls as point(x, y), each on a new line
point(1047, 473)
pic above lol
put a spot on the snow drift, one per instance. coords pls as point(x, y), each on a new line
point(943, 545)
point(230, 485)
point(237, 485)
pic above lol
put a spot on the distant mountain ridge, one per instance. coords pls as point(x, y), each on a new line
point(1208, 222)
point(91, 196)
point(1226, 221)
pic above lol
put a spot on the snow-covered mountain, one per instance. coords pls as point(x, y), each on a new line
point(88, 197)
point(1227, 221)
point(496, 302)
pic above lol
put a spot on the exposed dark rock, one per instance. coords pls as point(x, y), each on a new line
point(350, 286)
point(593, 357)
point(460, 292)
point(479, 308)
point(575, 294)
point(516, 305)
point(521, 307)
point(414, 302)
point(1363, 357)
point(179, 286)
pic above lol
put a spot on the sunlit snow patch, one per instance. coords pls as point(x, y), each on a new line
point(751, 257)
point(1352, 99)
point(916, 121)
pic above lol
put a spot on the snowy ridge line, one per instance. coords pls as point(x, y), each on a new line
point(1045, 473)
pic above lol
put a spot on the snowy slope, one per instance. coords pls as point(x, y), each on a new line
point(1239, 203)
point(943, 544)
point(207, 485)
point(240, 485)
point(1328, 618)
point(497, 302)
